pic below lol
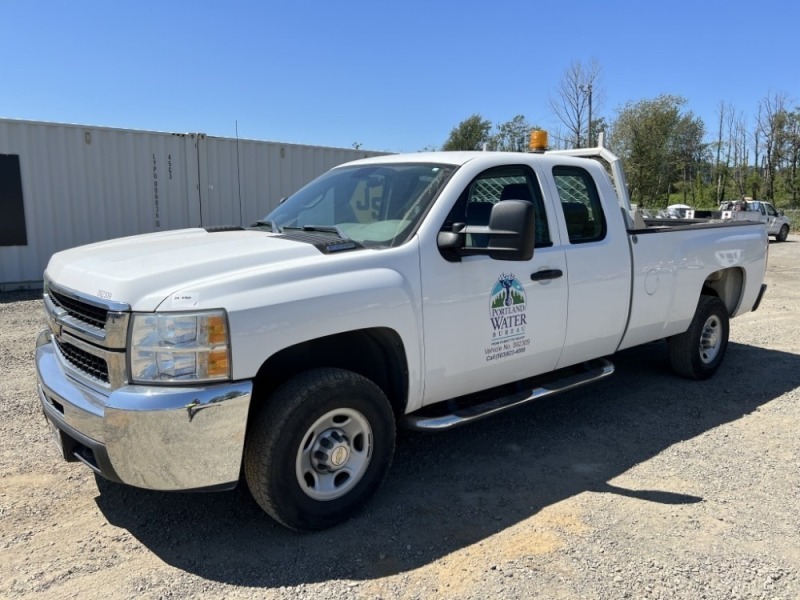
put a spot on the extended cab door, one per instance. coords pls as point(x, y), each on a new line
point(598, 259)
point(487, 321)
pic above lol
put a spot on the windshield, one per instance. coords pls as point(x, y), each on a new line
point(375, 205)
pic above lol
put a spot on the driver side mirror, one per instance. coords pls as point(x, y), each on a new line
point(511, 233)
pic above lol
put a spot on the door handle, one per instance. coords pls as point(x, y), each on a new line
point(546, 274)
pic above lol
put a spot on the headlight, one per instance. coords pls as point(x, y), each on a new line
point(179, 347)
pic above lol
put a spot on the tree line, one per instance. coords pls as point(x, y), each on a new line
point(667, 151)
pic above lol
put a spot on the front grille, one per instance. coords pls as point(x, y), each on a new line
point(91, 365)
point(82, 311)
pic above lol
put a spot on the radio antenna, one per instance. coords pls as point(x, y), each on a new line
point(239, 174)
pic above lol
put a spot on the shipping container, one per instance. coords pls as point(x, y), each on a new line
point(66, 185)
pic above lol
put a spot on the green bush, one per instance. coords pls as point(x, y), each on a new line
point(794, 217)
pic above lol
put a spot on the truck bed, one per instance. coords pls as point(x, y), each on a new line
point(671, 271)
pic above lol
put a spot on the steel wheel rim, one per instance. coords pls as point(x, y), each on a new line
point(711, 339)
point(334, 454)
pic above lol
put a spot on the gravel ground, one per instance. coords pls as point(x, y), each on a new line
point(642, 486)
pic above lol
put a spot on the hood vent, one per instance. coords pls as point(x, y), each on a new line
point(220, 228)
point(324, 242)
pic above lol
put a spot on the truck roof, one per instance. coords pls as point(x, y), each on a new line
point(456, 158)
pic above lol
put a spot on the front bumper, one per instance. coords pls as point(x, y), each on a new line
point(154, 437)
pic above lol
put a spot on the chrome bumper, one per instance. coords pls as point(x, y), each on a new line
point(154, 437)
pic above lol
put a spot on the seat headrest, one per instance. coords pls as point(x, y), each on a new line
point(575, 212)
point(478, 213)
point(516, 191)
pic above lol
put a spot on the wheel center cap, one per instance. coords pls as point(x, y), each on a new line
point(710, 339)
point(331, 451)
point(339, 456)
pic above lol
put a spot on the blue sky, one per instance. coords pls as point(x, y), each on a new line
point(394, 76)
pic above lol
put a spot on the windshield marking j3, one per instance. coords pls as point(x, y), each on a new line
point(377, 206)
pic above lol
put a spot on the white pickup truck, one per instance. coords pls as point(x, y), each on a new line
point(777, 222)
point(425, 290)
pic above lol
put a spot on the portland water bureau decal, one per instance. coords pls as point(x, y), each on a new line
point(508, 317)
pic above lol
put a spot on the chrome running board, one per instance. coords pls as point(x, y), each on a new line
point(588, 372)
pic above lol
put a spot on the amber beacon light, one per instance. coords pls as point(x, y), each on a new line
point(538, 141)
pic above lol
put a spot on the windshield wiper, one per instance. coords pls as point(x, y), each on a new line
point(272, 225)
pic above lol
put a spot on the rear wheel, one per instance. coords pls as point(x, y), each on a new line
point(698, 352)
point(319, 448)
point(782, 234)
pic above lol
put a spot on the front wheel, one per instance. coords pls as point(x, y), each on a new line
point(319, 448)
point(698, 352)
point(782, 234)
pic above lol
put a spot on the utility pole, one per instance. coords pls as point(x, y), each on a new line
point(589, 133)
point(588, 89)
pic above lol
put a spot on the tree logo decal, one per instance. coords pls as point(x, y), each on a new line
point(508, 291)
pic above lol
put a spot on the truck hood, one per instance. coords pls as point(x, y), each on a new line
point(143, 270)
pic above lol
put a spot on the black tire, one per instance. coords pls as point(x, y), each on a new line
point(698, 352)
point(319, 448)
point(782, 234)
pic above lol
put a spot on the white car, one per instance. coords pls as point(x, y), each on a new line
point(677, 211)
point(777, 222)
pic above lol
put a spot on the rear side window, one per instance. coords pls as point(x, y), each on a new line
point(580, 202)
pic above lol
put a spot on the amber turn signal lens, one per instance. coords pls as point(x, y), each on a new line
point(217, 330)
point(218, 363)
